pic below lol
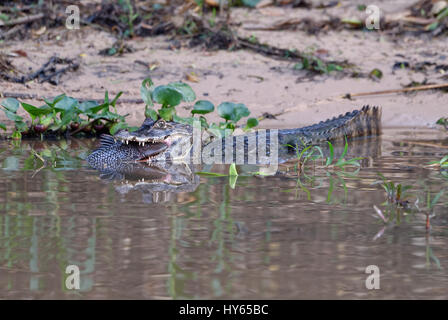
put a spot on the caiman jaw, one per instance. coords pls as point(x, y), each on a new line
point(148, 148)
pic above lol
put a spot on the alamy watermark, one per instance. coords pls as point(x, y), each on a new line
point(373, 280)
point(72, 282)
point(72, 21)
point(373, 17)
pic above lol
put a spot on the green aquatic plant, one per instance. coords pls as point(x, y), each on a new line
point(65, 114)
point(442, 163)
point(314, 153)
point(171, 95)
point(443, 121)
point(129, 17)
point(396, 193)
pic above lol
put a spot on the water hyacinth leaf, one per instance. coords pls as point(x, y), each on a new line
point(35, 112)
point(117, 127)
point(185, 90)
point(146, 90)
point(203, 107)
point(166, 96)
point(11, 104)
point(66, 104)
point(226, 110)
point(204, 123)
point(167, 113)
point(151, 113)
point(99, 108)
point(251, 123)
point(21, 126)
point(241, 111)
point(55, 100)
point(233, 112)
point(86, 106)
point(188, 120)
point(12, 116)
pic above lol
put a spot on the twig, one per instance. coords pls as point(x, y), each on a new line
point(22, 20)
point(419, 88)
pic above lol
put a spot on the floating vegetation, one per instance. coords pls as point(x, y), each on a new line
point(171, 95)
point(64, 116)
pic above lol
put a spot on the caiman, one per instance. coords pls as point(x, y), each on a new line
point(161, 141)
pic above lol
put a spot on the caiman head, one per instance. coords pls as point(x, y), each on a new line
point(159, 140)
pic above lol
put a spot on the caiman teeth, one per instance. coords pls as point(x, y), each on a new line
point(140, 141)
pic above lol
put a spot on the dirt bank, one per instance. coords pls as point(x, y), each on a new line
point(262, 83)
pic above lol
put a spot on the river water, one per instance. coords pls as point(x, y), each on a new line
point(255, 237)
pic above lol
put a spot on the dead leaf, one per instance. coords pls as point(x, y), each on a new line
point(21, 53)
point(192, 77)
point(41, 31)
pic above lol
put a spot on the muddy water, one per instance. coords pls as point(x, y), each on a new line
point(269, 237)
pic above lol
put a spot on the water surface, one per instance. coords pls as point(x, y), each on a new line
point(276, 237)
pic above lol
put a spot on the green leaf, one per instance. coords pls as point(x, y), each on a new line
point(444, 159)
point(34, 111)
point(232, 181)
point(114, 101)
point(250, 3)
point(432, 26)
point(240, 112)
point(376, 73)
point(2, 126)
point(251, 123)
point(188, 120)
point(232, 170)
point(151, 113)
point(12, 115)
point(233, 112)
point(55, 100)
point(213, 174)
point(436, 198)
point(66, 104)
point(146, 91)
point(117, 127)
point(11, 104)
point(21, 126)
point(331, 157)
point(167, 96)
point(87, 106)
point(226, 110)
point(16, 135)
point(203, 107)
point(341, 158)
point(442, 14)
point(185, 90)
point(46, 120)
point(167, 113)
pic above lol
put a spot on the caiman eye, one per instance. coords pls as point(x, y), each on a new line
point(161, 124)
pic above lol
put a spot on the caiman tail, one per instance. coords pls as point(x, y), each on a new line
point(358, 123)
